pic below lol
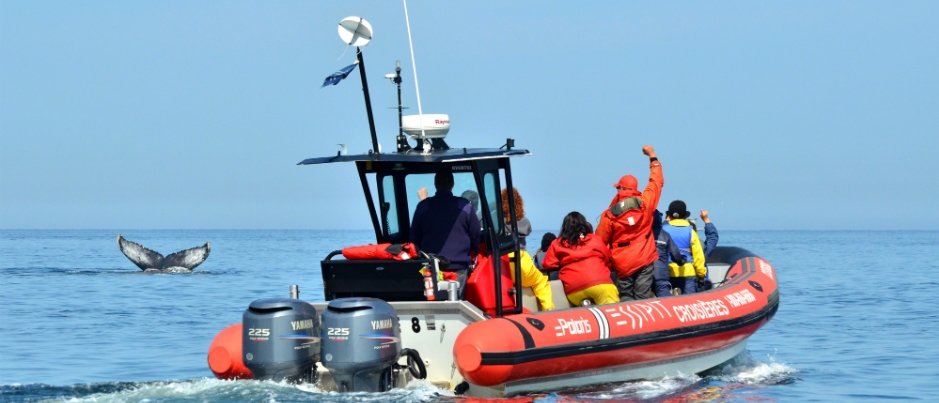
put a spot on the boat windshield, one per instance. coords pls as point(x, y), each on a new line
point(464, 186)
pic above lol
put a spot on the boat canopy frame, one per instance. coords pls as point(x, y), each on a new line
point(486, 165)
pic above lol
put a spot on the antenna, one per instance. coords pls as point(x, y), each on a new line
point(417, 88)
point(355, 31)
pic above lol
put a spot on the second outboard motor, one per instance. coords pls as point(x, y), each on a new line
point(361, 343)
point(280, 340)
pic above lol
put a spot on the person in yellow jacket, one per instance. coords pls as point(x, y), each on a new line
point(689, 276)
point(532, 277)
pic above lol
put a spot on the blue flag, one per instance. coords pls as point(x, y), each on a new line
point(336, 77)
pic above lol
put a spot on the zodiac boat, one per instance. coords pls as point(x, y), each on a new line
point(385, 322)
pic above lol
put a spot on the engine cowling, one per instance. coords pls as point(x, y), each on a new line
point(280, 340)
point(361, 342)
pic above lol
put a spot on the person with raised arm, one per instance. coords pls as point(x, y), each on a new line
point(626, 228)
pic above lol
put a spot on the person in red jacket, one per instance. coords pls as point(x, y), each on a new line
point(626, 227)
point(584, 262)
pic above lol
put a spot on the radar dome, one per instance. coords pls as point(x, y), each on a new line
point(436, 126)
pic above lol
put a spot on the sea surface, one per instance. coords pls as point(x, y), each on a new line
point(858, 319)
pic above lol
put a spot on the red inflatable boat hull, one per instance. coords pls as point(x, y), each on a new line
point(528, 346)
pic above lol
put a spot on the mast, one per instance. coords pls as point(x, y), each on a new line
point(368, 101)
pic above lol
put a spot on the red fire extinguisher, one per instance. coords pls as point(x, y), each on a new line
point(428, 285)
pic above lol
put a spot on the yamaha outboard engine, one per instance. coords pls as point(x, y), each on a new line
point(280, 340)
point(361, 343)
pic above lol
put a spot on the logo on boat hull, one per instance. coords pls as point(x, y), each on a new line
point(573, 326)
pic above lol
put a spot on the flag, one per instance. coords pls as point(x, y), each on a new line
point(336, 77)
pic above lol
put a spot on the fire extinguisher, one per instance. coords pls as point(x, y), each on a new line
point(428, 285)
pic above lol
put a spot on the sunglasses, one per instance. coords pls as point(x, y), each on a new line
point(623, 188)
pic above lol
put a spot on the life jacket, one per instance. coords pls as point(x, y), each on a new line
point(482, 282)
point(682, 238)
point(627, 213)
point(382, 251)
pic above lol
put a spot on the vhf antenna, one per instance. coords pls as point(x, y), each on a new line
point(402, 139)
point(426, 144)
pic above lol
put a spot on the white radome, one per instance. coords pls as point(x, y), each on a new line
point(355, 31)
point(436, 126)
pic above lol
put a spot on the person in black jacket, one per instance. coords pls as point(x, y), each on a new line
point(662, 286)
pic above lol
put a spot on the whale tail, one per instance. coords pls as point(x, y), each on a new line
point(187, 259)
point(147, 259)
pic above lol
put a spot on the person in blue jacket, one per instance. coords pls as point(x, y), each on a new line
point(690, 275)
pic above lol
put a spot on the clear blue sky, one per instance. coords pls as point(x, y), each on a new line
point(193, 114)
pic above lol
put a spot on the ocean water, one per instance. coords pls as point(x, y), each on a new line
point(857, 319)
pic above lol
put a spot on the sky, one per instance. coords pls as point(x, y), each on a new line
point(798, 115)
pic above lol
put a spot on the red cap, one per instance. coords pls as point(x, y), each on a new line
point(627, 181)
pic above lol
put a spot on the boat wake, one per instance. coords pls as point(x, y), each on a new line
point(208, 390)
point(733, 381)
point(736, 380)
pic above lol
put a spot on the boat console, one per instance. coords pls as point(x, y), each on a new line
point(397, 178)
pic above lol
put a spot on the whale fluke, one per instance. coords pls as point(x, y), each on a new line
point(149, 260)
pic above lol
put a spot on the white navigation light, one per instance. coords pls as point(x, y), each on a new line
point(355, 31)
point(436, 126)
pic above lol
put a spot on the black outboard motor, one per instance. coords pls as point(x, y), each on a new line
point(361, 343)
point(280, 340)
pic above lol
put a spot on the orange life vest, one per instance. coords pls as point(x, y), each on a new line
point(382, 251)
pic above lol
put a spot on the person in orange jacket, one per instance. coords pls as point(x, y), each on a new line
point(626, 228)
point(584, 262)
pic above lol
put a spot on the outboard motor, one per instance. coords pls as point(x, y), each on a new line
point(280, 340)
point(361, 343)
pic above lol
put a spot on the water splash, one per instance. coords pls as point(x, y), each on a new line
point(746, 370)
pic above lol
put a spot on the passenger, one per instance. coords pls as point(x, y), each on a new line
point(626, 227)
point(524, 226)
point(532, 277)
point(690, 274)
point(445, 225)
point(667, 251)
point(545, 243)
point(584, 262)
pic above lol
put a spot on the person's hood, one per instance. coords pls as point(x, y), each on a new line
point(624, 194)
